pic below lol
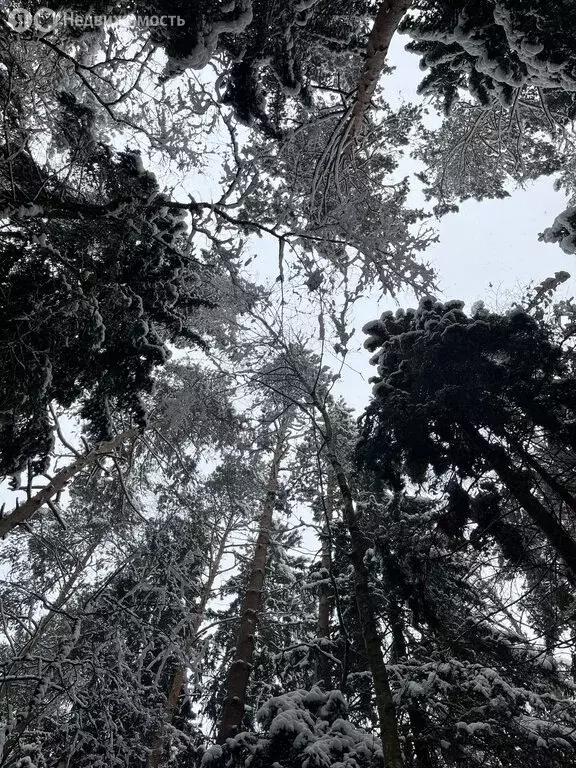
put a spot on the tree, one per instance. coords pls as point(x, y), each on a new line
point(503, 73)
point(122, 676)
point(241, 665)
point(470, 686)
point(484, 153)
point(204, 568)
point(472, 394)
point(303, 727)
point(98, 273)
point(388, 16)
point(218, 494)
point(303, 382)
point(270, 60)
point(285, 651)
point(87, 325)
point(26, 511)
point(494, 50)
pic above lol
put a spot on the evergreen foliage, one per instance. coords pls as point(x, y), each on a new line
point(207, 560)
point(493, 49)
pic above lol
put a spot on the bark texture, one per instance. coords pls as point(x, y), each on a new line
point(390, 13)
point(241, 667)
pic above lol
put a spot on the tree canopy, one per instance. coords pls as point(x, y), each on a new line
point(213, 557)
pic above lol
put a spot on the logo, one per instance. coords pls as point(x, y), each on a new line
point(45, 19)
point(19, 19)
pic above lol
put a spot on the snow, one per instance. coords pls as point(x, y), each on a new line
point(309, 722)
point(414, 690)
point(28, 211)
point(563, 231)
point(212, 755)
point(473, 728)
point(208, 38)
point(529, 64)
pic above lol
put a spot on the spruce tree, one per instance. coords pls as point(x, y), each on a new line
point(474, 394)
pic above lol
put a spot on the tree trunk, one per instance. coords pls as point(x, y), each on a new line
point(28, 509)
point(514, 481)
point(241, 667)
point(384, 703)
point(416, 716)
point(325, 597)
point(179, 678)
point(549, 479)
point(390, 13)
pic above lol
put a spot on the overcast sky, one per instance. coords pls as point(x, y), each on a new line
point(493, 241)
point(488, 251)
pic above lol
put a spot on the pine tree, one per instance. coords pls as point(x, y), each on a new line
point(242, 662)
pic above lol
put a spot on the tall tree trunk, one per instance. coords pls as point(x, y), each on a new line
point(28, 509)
point(325, 597)
point(178, 680)
point(390, 13)
point(416, 716)
point(241, 667)
point(515, 482)
point(373, 646)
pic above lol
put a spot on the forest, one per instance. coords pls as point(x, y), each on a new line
point(223, 546)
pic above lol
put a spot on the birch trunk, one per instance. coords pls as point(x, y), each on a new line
point(325, 598)
point(155, 758)
point(241, 667)
point(65, 594)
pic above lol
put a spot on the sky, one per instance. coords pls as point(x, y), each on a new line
point(487, 251)
point(489, 246)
